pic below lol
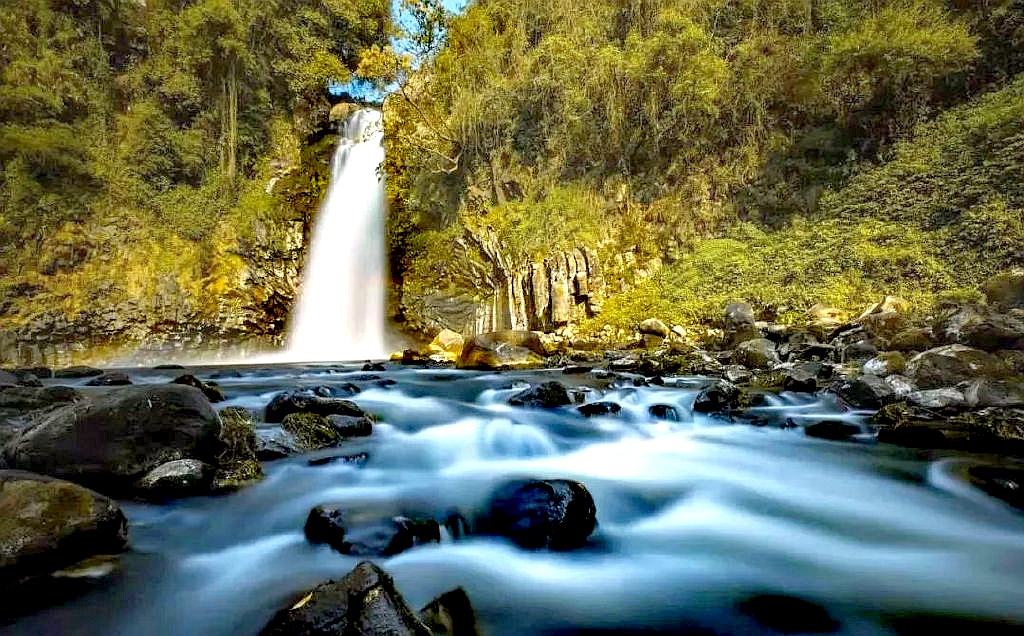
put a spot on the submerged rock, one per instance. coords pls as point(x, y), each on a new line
point(109, 440)
point(664, 412)
point(365, 602)
point(47, 524)
point(558, 514)
point(548, 395)
point(367, 532)
point(832, 430)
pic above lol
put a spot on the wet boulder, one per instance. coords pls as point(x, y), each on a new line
point(109, 440)
point(369, 532)
point(503, 349)
point(450, 614)
point(110, 378)
point(664, 412)
point(599, 409)
point(351, 425)
point(365, 602)
point(276, 443)
point(951, 364)
point(312, 430)
point(176, 479)
point(548, 395)
point(863, 392)
point(47, 524)
point(717, 397)
point(308, 401)
point(557, 514)
point(210, 390)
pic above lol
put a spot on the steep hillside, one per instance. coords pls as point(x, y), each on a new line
point(158, 163)
point(786, 151)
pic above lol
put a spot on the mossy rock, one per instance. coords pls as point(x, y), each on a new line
point(238, 433)
point(47, 524)
point(312, 430)
point(238, 475)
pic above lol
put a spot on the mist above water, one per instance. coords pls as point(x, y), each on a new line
point(694, 516)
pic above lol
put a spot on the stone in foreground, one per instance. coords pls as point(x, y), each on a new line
point(109, 440)
point(555, 513)
point(47, 524)
point(365, 602)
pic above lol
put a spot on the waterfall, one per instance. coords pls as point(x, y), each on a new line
point(339, 313)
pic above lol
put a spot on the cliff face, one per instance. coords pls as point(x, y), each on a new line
point(486, 291)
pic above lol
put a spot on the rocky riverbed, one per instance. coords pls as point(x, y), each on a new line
point(747, 489)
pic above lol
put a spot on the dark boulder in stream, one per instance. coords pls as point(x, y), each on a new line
point(211, 391)
point(548, 395)
point(47, 524)
point(365, 602)
point(109, 440)
point(720, 395)
point(554, 513)
point(308, 401)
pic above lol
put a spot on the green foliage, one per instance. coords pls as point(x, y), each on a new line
point(777, 150)
point(312, 430)
point(137, 139)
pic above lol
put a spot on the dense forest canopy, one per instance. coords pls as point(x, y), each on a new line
point(136, 136)
point(652, 126)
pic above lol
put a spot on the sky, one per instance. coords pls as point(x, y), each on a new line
point(364, 90)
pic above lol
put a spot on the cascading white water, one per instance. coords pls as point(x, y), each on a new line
point(339, 314)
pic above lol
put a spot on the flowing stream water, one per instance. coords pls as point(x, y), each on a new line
point(695, 516)
point(339, 313)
